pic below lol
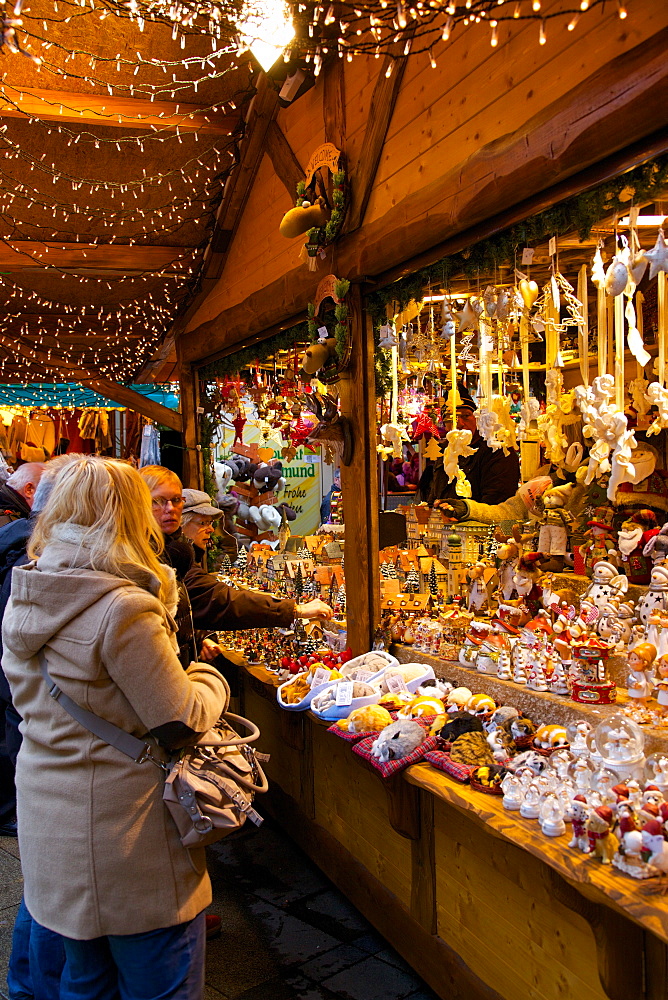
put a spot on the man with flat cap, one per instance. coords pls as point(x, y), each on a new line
point(493, 476)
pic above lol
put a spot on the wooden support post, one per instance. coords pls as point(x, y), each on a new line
point(192, 458)
point(359, 483)
point(423, 860)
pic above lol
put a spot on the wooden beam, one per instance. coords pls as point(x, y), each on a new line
point(430, 223)
point(115, 112)
point(334, 103)
point(283, 158)
point(120, 394)
point(192, 458)
point(383, 101)
point(360, 507)
point(261, 112)
point(29, 254)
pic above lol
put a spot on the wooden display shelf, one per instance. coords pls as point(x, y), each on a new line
point(541, 706)
point(475, 898)
point(644, 902)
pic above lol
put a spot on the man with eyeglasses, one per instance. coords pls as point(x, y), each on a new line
point(205, 602)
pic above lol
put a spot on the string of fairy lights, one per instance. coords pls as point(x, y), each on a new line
point(49, 196)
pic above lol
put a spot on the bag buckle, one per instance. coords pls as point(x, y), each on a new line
point(146, 754)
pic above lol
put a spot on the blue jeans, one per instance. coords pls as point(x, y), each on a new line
point(36, 962)
point(165, 964)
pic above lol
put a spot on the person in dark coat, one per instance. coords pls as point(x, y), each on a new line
point(493, 476)
point(18, 491)
point(205, 602)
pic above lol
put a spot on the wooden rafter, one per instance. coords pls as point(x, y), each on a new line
point(383, 101)
point(21, 255)
point(334, 103)
point(120, 394)
point(281, 154)
point(116, 112)
point(261, 112)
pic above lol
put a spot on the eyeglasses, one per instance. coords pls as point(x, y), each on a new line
point(163, 501)
point(204, 522)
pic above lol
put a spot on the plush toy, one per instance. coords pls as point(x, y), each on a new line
point(368, 719)
point(318, 354)
point(303, 217)
point(265, 517)
point(398, 740)
point(269, 478)
point(555, 524)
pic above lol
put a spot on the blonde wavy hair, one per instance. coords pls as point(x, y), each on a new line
point(156, 475)
point(111, 500)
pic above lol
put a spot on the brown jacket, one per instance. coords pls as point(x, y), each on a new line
point(100, 853)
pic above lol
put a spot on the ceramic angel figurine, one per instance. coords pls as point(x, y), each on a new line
point(640, 680)
point(657, 396)
point(661, 684)
point(456, 448)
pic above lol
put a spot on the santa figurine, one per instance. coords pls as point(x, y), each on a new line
point(634, 535)
point(600, 546)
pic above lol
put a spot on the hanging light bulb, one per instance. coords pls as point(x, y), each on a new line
point(573, 22)
point(542, 37)
point(494, 40)
point(447, 28)
point(621, 10)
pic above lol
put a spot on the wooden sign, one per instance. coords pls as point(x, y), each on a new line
point(324, 156)
point(326, 291)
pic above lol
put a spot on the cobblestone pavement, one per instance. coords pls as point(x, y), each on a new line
point(288, 934)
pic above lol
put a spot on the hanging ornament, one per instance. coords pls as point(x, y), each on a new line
point(658, 256)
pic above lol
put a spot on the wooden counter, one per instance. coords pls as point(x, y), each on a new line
point(476, 899)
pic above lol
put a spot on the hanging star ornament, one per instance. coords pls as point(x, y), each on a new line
point(657, 256)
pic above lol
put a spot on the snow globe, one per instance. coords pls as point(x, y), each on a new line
point(577, 737)
point(560, 762)
point(619, 741)
point(552, 816)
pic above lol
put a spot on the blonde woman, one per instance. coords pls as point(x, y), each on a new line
point(102, 861)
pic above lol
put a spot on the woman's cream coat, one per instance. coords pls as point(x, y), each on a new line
point(100, 853)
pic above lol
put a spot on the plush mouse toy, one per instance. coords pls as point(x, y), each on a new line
point(268, 478)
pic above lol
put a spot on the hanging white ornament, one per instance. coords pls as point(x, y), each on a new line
point(658, 256)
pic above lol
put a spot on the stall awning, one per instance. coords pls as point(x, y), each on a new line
point(75, 396)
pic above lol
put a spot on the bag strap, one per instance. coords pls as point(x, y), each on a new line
point(237, 740)
point(138, 750)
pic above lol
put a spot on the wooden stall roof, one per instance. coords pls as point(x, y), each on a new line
point(115, 152)
point(436, 157)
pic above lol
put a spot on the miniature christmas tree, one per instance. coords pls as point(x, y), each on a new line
point(536, 679)
point(385, 570)
point(242, 559)
point(310, 646)
point(504, 672)
point(341, 597)
point(433, 583)
point(226, 564)
point(303, 553)
point(558, 682)
point(299, 583)
point(412, 585)
point(391, 571)
point(519, 670)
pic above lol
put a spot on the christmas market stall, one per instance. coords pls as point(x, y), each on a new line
point(441, 273)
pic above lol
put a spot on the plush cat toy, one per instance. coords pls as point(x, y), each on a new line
point(398, 741)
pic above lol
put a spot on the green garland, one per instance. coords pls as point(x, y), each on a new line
point(322, 236)
point(580, 213)
point(232, 364)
